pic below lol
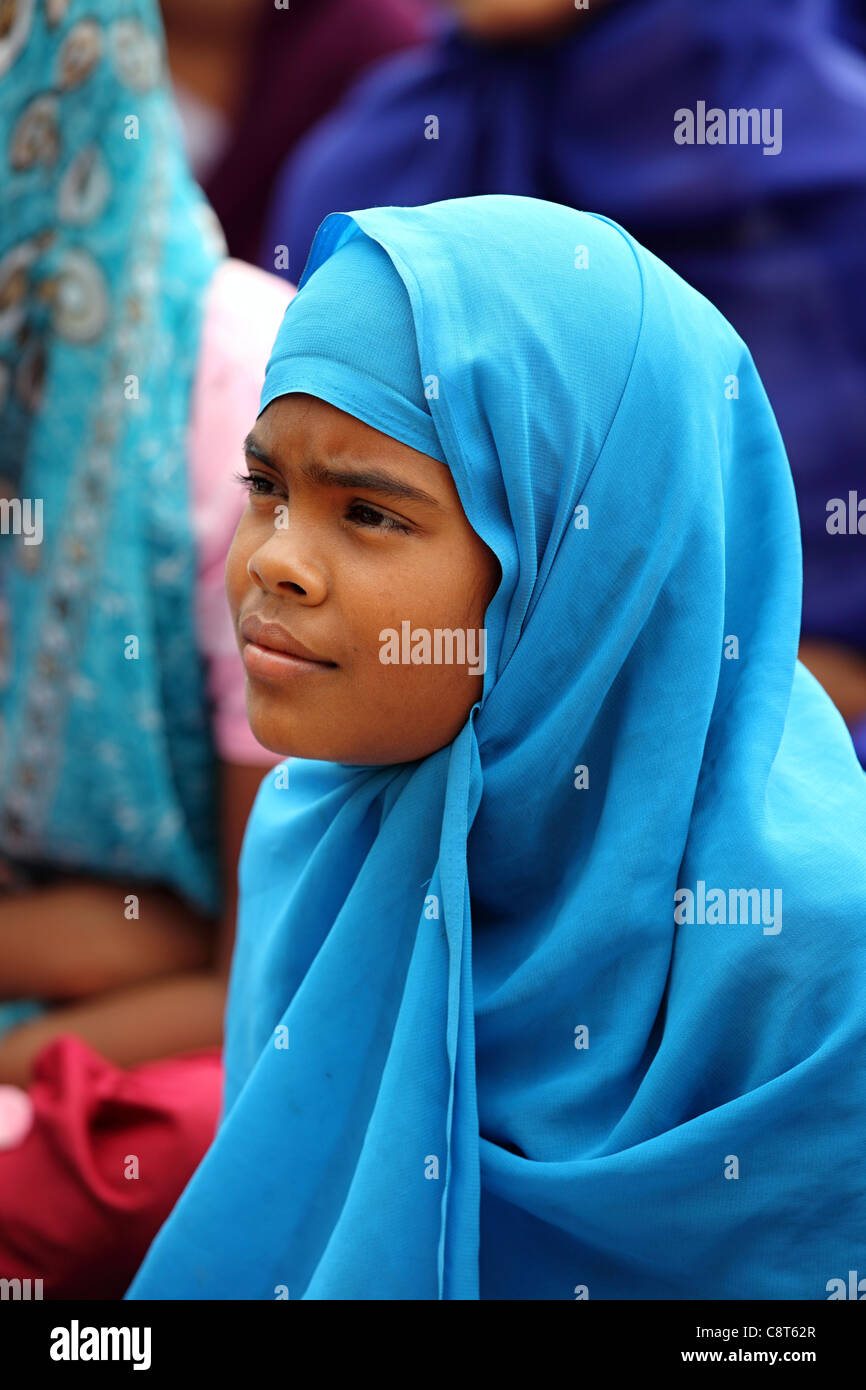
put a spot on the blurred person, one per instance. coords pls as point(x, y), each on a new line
point(534, 97)
point(131, 351)
point(251, 78)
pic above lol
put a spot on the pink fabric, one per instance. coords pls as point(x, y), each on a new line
point(16, 1116)
point(243, 312)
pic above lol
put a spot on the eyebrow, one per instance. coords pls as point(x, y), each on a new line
point(369, 479)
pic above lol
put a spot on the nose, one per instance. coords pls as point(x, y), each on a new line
point(284, 565)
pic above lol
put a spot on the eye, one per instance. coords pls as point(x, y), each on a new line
point(361, 513)
point(365, 515)
point(258, 484)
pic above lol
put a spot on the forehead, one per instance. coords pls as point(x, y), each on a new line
point(296, 414)
point(296, 429)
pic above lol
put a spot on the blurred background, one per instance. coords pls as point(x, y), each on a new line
point(164, 173)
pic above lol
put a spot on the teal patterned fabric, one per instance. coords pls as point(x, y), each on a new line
point(106, 250)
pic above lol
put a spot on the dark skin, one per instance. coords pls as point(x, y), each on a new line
point(501, 21)
point(340, 563)
point(134, 990)
point(841, 671)
point(210, 45)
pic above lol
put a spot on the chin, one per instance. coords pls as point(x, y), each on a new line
point(289, 742)
point(270, 732)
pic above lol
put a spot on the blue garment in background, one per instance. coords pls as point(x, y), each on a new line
point(775, 241)
point(413, 1109)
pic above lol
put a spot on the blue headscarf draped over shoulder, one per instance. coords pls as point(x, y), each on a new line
point(106, 251)
point(573, 1006)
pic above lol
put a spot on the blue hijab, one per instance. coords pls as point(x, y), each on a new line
point(588, 120)
point(508, 1022)
point(106, 251)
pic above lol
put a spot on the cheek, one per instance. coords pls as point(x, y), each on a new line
point(405, 596)
point(447, 590)
point(458, 592)
point(237, 580)
point(446, 585)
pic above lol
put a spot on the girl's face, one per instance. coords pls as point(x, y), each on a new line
point(348, 534)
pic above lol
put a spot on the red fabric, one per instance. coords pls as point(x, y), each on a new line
point(68, 1214)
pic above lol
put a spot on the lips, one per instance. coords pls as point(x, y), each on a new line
point(275, 638)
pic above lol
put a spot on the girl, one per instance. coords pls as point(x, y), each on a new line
point(550, 966)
